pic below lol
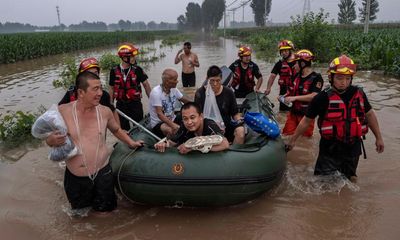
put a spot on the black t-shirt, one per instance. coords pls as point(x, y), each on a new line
point(255, 72)
point(141, 76)
point(316, 85)
point(318, 107)
point(104, 100)
point(226, 102)
point(277, 67)
point(209, 128)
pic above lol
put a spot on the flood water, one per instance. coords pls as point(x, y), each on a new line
point(33, 204)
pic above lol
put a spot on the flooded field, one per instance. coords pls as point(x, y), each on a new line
point(34, 205)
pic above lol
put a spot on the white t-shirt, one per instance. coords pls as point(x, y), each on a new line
point(158, 98)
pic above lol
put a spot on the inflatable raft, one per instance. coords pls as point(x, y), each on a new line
point(239, 174)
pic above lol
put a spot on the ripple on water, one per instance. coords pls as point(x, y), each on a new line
point(302, 180)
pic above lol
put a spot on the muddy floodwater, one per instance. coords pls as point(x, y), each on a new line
point(33, 204)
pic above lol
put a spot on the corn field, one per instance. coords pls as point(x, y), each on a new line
point(378, 50)
point(22, 46)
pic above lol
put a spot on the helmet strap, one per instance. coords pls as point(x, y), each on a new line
point(128, 61)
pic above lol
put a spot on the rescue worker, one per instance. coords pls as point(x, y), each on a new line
point(344, 115)
point(301, 90)
point(125, 85)
point(244, 71)
point(284, 67)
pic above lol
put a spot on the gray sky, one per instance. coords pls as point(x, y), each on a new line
point(43, 12)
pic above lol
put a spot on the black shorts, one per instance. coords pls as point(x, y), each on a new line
point(328, 164)
point(83, 192)
point(133, 109)
point(189, 79)
point(157, 128)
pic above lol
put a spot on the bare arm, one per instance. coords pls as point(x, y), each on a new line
point(303, 126)
point(184, 99)
point(178, 57)
point(55, 139)
point(196, 62)
point(303, 98)
point(111, 92)
point(259, 83)
point(162, 145)
point(165, 119)
point(271, 80)
point(221, 147)
point(147, 87)
point(119, 133)
point(374, 126)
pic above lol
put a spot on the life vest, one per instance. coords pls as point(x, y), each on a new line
point(285, 74)
point(128, 89)
point(248, 78)
point(299, 87)
point(341, 122)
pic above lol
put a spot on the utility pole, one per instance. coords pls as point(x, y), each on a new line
point(58, 15)
point(225, 22)
point(306, 7)
point(243, 11)
point(265, 12)
point(367, 13)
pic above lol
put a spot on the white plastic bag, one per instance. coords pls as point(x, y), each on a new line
point(211, 110)
point(51, 121)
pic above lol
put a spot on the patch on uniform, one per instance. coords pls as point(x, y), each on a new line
point(319, 85)
point(177, 169)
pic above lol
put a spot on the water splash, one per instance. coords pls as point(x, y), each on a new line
point(318, 185)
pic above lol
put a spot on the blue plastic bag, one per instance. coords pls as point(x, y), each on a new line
point(262, 124)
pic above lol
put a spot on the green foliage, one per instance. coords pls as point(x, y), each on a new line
point(311, 32)
point(376, 50)
point(67, 76)
point(174, 39)
point(15, 128)
point(212, 13)
point(347, 11)
point(107, 61)
point(21, 46)
point(260, 15)
point(374, 9)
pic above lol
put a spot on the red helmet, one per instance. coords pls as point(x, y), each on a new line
point(244, 51)
point(88, 63)
point(342, 65)
point(304, 54)
point(285, 44)
point(127, 50)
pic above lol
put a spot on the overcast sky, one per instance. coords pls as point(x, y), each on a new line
point(43, 12)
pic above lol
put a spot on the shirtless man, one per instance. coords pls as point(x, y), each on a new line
point(189, 62)
point(88, 180)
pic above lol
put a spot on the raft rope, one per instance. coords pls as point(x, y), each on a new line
point(99, 123)
point(119, 172)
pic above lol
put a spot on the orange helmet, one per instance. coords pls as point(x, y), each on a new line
point(285, 44)
point(127, 50)
point(342, 65)
point(88, 63)
point(304, 54)
point(244, 51)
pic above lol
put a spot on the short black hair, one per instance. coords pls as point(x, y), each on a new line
point(82, 79)
point(192, 104)
point(188, 44)
point(214, 71)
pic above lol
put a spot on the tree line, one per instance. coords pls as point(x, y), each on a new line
point(347, 11)
point(122, 25)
